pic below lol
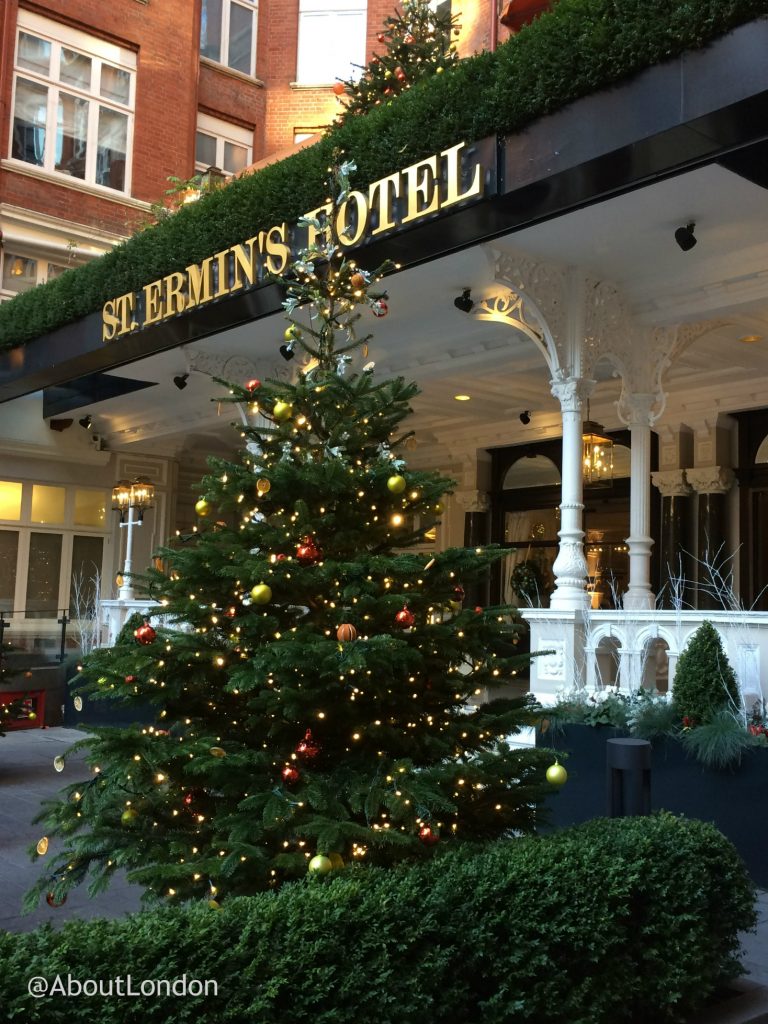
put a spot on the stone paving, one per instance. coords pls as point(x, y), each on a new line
point(27, 776)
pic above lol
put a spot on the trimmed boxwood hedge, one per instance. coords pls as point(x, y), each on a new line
point(578, 48)
point(619, 921)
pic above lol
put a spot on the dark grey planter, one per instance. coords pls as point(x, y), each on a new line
point(734, 799)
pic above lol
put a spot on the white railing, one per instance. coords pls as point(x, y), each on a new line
point(630, 649)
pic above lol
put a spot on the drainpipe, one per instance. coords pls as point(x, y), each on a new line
point(494, 24)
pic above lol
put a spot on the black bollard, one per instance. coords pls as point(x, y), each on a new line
point(629, 778)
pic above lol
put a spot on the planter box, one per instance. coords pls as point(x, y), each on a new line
point(735, 800)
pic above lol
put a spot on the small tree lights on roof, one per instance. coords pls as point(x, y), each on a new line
point(417, 43)
point(315, 690)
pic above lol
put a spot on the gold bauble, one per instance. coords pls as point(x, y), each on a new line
point(129, 817)
point(261, 594)
point(263, 486)
point(282, 411)
point(557, 775)
point(292, 333)
point(202, 508)
point(42, 846)
point(217, 752)
point(396, 484)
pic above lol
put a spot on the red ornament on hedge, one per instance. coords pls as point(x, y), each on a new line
point(307, 749)
point(379, 308)
point(290, 775)
point(145, 634)
point(307, 553)
point(428, 836)
point(405, 618)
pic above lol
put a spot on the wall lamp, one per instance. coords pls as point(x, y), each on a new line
point(181, 381)
point(685, 237)
point(525, 417)
point(464, 301)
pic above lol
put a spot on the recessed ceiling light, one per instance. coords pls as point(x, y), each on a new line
point(462, 398)
point(750, 339)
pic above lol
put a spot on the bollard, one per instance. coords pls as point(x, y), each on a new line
point(629, 777)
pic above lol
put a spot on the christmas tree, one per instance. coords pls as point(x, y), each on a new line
point(315, 699)
point(418, 44)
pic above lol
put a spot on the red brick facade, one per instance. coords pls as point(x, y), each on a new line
point(173, 84)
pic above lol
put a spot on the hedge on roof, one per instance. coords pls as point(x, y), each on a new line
point(620, 921)
point(578, 48)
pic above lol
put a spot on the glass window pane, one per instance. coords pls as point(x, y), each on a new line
point(240, 38)
point(115, 84)
point(75, 69)
point(9, 550)
point(205, 149)
point(90, 508)
point(34, 53)
point(71, 135)
point(43, 576)
point(10, 500)
point(210, 29)
point(112, 148)
point(19, 273)
point(29, 116)
point(54, 271)
point(85, 583)
point(235, 158)
point(47, 504)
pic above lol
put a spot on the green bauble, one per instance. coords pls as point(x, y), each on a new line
point(396, 484)
point(129, 817)
point(320, 865)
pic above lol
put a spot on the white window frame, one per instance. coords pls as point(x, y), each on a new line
point(10, 253)
point(68, 530)
point(226, 5)
point(223, 132)
point(308, 48)
point(100, 53)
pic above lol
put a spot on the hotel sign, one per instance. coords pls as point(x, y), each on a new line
point(422, 191)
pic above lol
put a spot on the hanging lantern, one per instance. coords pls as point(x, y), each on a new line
point(597, 455)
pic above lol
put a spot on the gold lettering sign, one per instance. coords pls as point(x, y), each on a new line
point(422, 190)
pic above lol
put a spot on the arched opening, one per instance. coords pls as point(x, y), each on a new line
point(655, 665)
point(607, 661)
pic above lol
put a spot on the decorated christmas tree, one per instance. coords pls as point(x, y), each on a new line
point(418, 43)
point(316, 698)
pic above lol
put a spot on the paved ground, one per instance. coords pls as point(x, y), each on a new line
point(27, 776)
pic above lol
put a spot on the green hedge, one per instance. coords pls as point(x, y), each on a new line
point(576, 49)
point(617, 921)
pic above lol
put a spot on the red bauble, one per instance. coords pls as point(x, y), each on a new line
point(51, 900)
point(379, 308)
point(405, 618)
point(458, 593)
point(428, 836)
point(145, 634)
point(251, 385)
point(339, 88)
point(479, 609)
point(381, 37)
point(188, 798)
point(307, 553)
point(280, 558)
point(346, 633)
point(130, 679)
point(399, 74)
point(408, 39)
point(307, 749)
point(290, 775)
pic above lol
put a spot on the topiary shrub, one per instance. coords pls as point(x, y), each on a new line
point(620, 921)
point(704, 681)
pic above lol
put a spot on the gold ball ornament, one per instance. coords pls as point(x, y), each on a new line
point(320, 865)
point(282, 411)
point(292, 333)
point(556, 775)
point(129, 817)
point(214, 905)
point(202, 508)
point(217, 752)
point(263, 486)
point(42, 846)
point(396, 484)
point(261, 594)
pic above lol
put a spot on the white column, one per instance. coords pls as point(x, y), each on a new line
point(639, 595)
point(570, 567)
point(126, 590)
